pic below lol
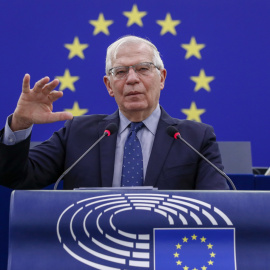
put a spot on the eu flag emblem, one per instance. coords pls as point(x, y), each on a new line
point(195, 249)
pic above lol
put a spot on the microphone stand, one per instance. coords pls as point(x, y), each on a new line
point(209, 162)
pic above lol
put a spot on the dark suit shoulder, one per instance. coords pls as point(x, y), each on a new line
point(182, 123)
point(93, 119)
point(193, 125)
point(190, 126)
point(87, 118)
point(87, 126)
point(78, 126)
point(196, 132)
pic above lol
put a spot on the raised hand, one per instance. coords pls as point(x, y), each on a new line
point(35, 105)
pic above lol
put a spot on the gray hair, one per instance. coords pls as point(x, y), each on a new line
point(113, 49)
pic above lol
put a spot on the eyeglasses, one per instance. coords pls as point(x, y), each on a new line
point(141, 69)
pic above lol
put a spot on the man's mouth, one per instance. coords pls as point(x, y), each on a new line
point(133, 93)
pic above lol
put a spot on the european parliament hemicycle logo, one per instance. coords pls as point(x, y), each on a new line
point(147, 231)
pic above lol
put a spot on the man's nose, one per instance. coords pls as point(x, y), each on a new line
point(132, 76)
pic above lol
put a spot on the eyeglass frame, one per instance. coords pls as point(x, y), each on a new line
point(133, 66)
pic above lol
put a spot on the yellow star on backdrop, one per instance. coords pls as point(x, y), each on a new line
point(168, 25)
point(194, 269)
point(76, 48)
point(194, 237)
point(67, 81)
point(194, 114)
point(210, 262)
point(101, 25)
point(134, 16)
point(178, 262)
point(176, 255)
point(185, 268)
point(193, 49)
point(212, 255)
point(203, 239)
point(202, 81)
point(76, 111)
point(204, 268)
point(178, 246)
point(185, 239)
point(210, 246)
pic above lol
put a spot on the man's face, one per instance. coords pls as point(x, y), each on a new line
point(135, 93)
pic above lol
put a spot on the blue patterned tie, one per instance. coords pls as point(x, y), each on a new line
point(132, 172)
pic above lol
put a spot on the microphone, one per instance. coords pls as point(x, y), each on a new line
point(173, 132)
point(109, 130)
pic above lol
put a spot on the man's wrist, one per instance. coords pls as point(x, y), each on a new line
point(10, 137)
point(17, 125)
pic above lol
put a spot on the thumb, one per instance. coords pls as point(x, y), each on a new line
point(60, 116)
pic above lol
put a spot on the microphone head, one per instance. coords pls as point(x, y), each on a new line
point(173, 132)
point(110, 129)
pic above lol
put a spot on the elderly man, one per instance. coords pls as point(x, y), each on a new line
point(139, 153)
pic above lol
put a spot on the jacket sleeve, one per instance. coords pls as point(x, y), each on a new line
point(21, 168)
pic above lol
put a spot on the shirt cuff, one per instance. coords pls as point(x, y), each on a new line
point(10, 137)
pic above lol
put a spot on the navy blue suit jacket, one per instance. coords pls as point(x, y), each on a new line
point(172, 165)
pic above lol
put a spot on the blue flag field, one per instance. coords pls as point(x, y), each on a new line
point(216, 54)
point(193, 248)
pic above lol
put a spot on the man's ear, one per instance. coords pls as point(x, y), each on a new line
point(163, 74)
point(107, 83)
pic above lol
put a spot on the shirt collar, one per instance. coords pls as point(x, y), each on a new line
point(150, 122)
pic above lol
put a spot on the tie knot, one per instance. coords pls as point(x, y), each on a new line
point(136, 126)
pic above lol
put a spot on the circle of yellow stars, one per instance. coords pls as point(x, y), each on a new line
point(135, 16)
point(202, 240)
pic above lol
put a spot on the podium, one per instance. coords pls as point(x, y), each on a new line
point(139, 229)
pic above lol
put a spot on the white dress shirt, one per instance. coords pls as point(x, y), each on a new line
point(146, 137)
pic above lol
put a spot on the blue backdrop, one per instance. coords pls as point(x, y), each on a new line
point(216, 54)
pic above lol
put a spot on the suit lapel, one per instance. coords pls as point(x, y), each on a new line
point(160, 150)
point(161, 147)
point(107, 150)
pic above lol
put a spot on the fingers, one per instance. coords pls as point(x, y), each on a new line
point(43, 85)
point(55, 95)
point(40, 84)
point(26, 84)
point(50, 87)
